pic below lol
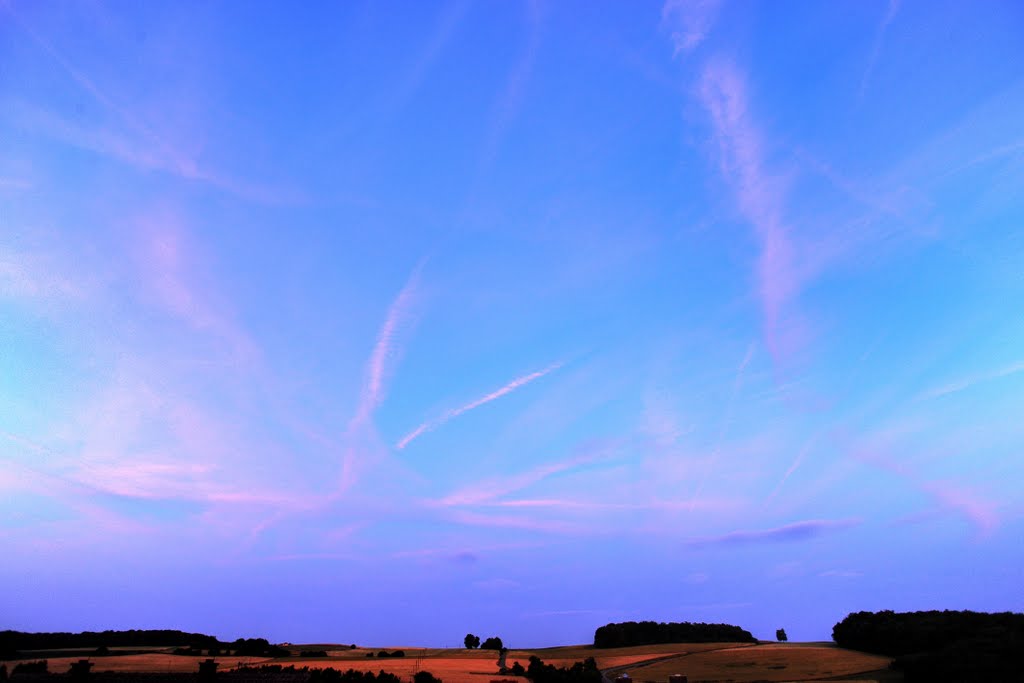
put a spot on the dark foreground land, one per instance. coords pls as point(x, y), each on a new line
point(882, 647)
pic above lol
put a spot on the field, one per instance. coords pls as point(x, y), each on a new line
point(769, 662)
point(645, 664)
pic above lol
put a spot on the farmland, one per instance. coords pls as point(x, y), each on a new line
point(738, 662)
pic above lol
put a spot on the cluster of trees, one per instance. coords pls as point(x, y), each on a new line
point(313, 653)
point(472, 642)
point(629, 633)
point(256, 647)
point(940, 646)
point(11, 642)
point(539, 672)
point(331, 675)
point(18, 640)
point(385, 653)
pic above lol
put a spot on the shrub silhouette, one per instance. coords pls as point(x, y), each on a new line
point(780, 635)
point(471, 642)
point(580, 672)
point(39, 667)
point(425, 677)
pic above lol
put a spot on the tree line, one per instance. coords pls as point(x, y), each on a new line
point(628, 633)
point(961, 646)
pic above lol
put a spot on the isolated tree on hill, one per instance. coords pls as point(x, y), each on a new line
point(493, 643)
point(781, 636)
point(471, 642)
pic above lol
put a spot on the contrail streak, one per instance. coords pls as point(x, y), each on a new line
point(508, 388)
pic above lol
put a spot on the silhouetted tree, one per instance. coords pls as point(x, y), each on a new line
point(425, 677)
point(471, 642)
point(780, 635)
point(3, 672)
point(79, 670)
point(492, 643)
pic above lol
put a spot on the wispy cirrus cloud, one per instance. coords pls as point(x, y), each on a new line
point(726, 420)
point(689, 22)
point(969, 382)
point(797, 531)
point(166, 257)
point(361, 437)
point(431, 425)
point(486, 491)
point(954, 497)
point(387, 347)
point(133, 140)
point(723, 92)
point(876, 46)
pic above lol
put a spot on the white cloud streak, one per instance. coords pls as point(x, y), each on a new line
point(483, 400)
point(876, 46)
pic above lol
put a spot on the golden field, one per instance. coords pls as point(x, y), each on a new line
point(701, 662)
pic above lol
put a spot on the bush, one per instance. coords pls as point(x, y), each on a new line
point(39, 667)
point(331, 675)
point(425, 677)
point(313, 653)
point(580, 672)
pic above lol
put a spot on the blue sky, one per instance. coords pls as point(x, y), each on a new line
point(382, 323)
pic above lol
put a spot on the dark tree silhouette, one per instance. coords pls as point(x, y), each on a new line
point(780, 635)
point(580, 672)
point(471, 642)
point(940, 647)
point(492, 643)
point(630, 633)
point(425, 677)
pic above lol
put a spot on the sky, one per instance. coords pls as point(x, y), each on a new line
point(385, 322)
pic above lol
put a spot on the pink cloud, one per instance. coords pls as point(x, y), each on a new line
point(167, 267)
point(689, 22)
point(494, 395)
point(953, 497)
point(723, 92)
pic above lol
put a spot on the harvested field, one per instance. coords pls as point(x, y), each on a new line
point(701, 662)
point(147, 663)
point(767, 663)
